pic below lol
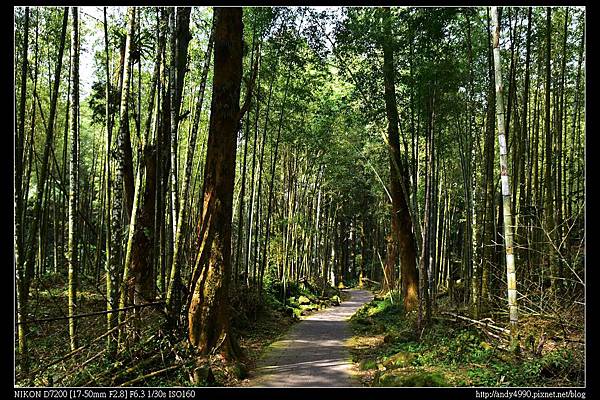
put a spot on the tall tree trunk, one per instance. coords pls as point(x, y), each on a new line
point(208, 317)
point(163, 165)
point(73, 179)
point(424, 262)
point(559, 151)
point(573, 176)
point(183, 40)
point(506, 193)
point(402, 235)
point(19, 148)
point(488, 184)
point(247, 129)
point(180, 38)
point(271, 185)
point(173, 92)
point(252, 191)
point(18, 196)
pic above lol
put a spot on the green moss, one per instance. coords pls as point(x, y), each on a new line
point(425, 379)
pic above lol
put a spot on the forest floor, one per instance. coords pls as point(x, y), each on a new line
point(314, 353)
point(378, 345)
point(388, 351)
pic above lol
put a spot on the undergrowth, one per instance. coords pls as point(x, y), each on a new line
point(388, 352)
point(257, 320)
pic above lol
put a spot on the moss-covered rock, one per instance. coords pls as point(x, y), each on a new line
point(387, 379)
point(424, 379)
point(335, 300)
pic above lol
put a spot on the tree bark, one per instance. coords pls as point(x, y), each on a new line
point(238, 244)
point(208, 316)
point(110, 272)
point(18, 194)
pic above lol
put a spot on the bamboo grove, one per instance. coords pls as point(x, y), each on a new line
point(173, 157)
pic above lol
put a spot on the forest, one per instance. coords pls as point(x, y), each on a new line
point(372, 196)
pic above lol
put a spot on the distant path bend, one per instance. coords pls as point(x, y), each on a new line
point(313, 353)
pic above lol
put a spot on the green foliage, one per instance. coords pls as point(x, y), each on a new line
point(367, 365)
point(97, 101)
point(448, 354)
point(414, 379)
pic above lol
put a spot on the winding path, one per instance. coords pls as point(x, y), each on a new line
point(313, 353)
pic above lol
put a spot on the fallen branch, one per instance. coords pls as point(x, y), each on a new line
point(565, 339)
point(370, 281)
point(474, 321)
point(90, 314)
point(490, 334)
point(133, 368)
point(61, 378)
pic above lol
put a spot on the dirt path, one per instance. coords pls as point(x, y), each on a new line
point(313, 353)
